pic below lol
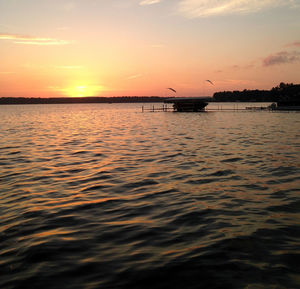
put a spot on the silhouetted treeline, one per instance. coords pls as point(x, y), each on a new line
point(122, 99)
point(282, 92)
point(286, 92)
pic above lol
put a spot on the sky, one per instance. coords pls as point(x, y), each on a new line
point(74, 48)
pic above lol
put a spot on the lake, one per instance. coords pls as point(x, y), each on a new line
point(104, 196)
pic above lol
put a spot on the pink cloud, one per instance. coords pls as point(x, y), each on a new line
point(282, 57)
point(294, 44)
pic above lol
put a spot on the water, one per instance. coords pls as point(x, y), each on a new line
point(104, 196)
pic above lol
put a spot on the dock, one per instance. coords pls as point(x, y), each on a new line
point(166, 108)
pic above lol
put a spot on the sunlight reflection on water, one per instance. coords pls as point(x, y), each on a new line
point(104, 195)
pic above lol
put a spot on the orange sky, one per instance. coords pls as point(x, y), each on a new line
point(74, 48)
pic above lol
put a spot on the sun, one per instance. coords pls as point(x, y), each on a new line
point(78, 91)
point(83, 90)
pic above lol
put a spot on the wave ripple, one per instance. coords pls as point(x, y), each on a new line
point(100, 196)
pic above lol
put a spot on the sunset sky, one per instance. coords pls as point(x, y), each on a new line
point(53, 48)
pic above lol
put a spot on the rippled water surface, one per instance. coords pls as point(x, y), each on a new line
point(104, 196)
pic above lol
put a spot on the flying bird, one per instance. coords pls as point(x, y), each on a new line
point(172, 89)
point(209, 81)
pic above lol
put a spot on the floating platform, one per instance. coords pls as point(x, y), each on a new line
point(287, 105)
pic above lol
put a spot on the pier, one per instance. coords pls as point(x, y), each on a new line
point(166, 108)
point(200, 104)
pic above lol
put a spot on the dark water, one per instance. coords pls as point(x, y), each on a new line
point(103, 196)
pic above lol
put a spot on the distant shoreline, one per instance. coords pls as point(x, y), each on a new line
point(86, 100)
point(282, 92)
point(104, 100)
point(66, 100)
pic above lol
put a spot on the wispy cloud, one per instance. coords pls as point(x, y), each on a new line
point(29, 40)
point(205, 8)
point(149, 2)
point(41, 43)
point(70, 67)
point(283, 57)
point(241, 67)
point(134, 76)
point(294, 44)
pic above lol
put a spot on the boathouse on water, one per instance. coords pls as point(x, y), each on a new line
point(188, 103)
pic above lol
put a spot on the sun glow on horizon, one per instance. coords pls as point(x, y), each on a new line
point(82, 90)
point(77, 91)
